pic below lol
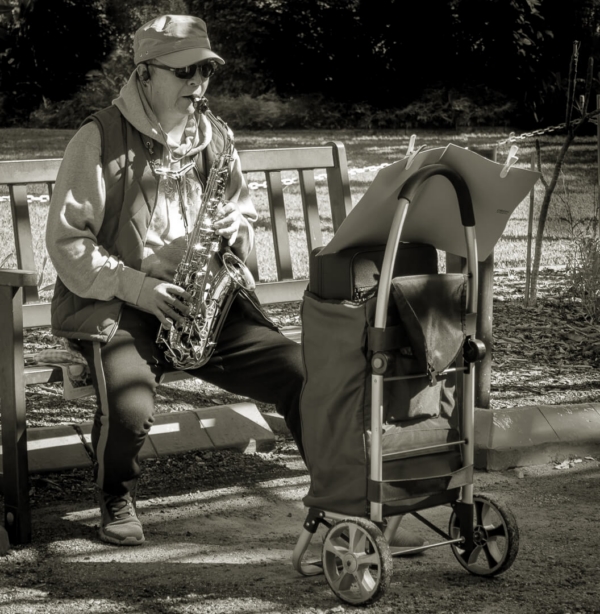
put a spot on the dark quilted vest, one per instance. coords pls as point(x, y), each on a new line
point(131, 190)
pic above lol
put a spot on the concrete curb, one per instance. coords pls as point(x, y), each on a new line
point(534, 435)
point(523, 436)
point(504, 438)
point(238, 426)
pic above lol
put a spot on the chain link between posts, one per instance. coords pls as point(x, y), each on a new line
point(252, 185)
point(256, 185)
point(512, 138)
point(44, 198)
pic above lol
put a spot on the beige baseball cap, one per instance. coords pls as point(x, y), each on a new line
point(176, 40)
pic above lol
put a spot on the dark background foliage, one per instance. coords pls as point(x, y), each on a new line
point(310, 63)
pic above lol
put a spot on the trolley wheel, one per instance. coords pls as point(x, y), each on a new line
point(495, 535)
point(357, 562)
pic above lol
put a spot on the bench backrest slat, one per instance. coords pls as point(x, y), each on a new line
point(290, 159)
point(339, 186)
point(281, 239)
point(252, 263)
point(310, 208)
point(22, 172)
point(281, 291)
point(23, 236)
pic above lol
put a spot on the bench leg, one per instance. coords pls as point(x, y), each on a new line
point(15, 469)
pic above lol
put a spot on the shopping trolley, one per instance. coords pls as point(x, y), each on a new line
point(387, 415)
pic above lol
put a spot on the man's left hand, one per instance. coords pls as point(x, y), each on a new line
point(227, 221)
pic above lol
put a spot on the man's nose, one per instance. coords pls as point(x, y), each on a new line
point(197, 78)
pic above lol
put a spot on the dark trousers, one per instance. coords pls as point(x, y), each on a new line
point(251, 359)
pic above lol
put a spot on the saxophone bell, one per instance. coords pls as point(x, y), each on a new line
point(238, 271)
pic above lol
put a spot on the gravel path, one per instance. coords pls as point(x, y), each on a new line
point(221, 526)
point(220, 536)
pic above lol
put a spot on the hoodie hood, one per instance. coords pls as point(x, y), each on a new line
point(137, 111)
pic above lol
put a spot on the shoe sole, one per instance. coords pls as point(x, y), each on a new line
point(128, 541)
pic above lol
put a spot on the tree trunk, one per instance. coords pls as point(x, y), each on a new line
point(544, 215)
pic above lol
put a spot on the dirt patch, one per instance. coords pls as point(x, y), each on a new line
point(546, 355)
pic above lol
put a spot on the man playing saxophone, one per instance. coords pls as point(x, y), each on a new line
point(122, 213)
point(121, 218)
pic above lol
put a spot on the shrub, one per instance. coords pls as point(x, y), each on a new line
point(583, 260)
point(437, 108)
point(441, 108)
point(103, 86)
point(583, 273)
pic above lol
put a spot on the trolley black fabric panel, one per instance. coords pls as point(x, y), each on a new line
point(334, 336)
point(354, 272)
point(432, 310)
point(335, 403)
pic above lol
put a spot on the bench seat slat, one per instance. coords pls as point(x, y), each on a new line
point(34, 374)
point(36, 314)
point(42, 375)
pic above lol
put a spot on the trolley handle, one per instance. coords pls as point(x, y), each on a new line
point(414, 182)
point(407, 194)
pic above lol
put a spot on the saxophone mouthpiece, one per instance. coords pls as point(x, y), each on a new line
point(200, 103)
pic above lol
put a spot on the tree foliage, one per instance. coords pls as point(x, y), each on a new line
point(444, 59)
point(382, 52)
point(49, 46)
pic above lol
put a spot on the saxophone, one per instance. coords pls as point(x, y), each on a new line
point(209, 271)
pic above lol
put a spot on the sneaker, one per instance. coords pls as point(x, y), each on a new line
point(120, 524)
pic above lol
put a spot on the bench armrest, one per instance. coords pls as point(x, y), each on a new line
point(17, 278)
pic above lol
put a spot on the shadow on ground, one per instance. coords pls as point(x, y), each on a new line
point(223, 542)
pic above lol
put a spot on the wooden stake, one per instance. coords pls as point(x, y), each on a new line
point(529, 235)
point(598, 178)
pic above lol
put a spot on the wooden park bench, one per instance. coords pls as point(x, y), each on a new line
point(21, 308)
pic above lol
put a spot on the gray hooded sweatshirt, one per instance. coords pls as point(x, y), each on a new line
point(78, 205)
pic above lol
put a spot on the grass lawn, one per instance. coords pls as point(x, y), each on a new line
point(576, 191)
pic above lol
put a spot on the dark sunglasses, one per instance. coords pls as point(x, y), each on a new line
point(207, 69)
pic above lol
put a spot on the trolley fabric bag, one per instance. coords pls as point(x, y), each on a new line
point(424, 330)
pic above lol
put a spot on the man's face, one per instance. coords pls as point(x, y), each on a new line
point(170, 95)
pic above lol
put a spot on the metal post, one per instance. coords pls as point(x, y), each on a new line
point(485, 298)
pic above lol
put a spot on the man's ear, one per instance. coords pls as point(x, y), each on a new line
point(143, 73)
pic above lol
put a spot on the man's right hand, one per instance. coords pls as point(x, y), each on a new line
point(164, 300)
